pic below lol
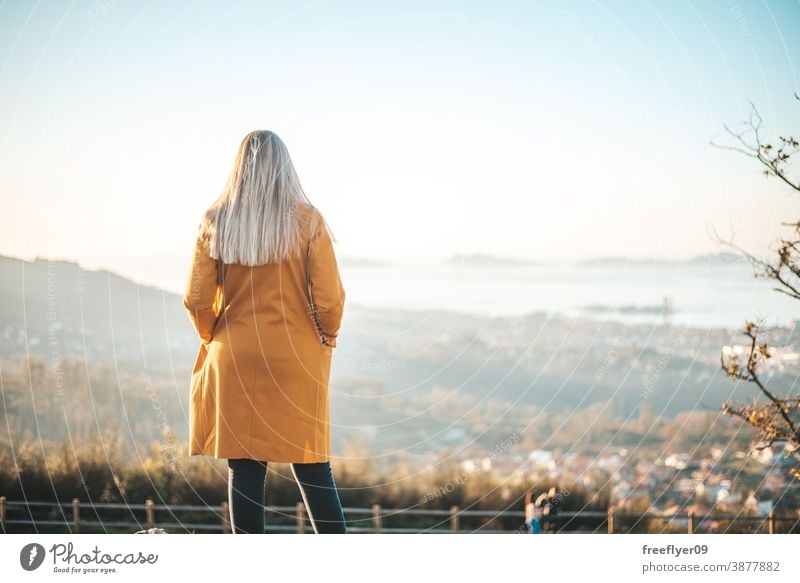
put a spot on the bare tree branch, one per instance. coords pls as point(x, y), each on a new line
point(774, 421)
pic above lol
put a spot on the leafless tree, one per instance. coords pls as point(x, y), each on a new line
point(775, 418)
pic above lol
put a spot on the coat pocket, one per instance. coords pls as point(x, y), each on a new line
point(197, 404)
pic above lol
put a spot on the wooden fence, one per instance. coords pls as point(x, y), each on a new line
point(77, 517)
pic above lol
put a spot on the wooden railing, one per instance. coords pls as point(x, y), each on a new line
point(126, 517)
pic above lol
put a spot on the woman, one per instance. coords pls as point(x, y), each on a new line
point(266, 299)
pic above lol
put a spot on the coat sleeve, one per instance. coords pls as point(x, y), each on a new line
point(327, 292)
point(201, 291)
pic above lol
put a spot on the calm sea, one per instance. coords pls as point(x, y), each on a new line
point(713, 295)
point(716, 293)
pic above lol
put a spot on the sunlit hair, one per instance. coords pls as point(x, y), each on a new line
point(256, 219)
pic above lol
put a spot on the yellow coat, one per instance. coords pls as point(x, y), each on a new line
point(259, 386)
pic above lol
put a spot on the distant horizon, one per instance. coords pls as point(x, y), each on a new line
point(453, 261)
point(471, 257)
point(704, 291)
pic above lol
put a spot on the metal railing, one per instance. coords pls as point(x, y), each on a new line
point(131, 517)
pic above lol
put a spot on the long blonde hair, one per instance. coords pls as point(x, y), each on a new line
point(256, 220)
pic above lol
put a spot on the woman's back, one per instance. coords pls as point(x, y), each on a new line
point(269, 300)
point(260, 381)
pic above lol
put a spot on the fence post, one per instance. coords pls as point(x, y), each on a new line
point(454, 519)
point(76, 515)
point(300, 517)
point(376, 518)
point(690, 516)
point(226, 518)
point(611, 511)
point(150, 513)
point(771, 522)
point(3, 514)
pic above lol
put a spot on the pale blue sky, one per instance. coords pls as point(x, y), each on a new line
point(540, 130)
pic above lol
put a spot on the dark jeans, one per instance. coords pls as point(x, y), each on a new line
point(246, 498)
